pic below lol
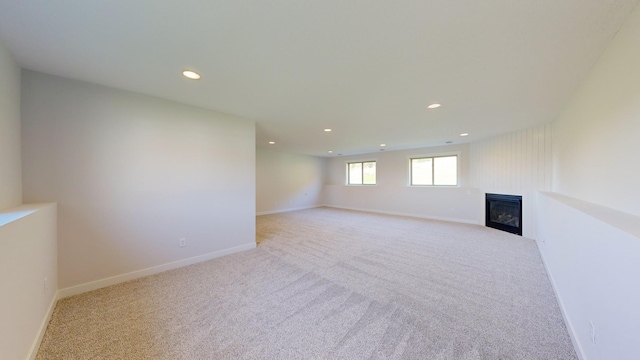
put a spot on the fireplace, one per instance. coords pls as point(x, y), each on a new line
point(504, 212)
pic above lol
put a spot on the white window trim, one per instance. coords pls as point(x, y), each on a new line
point(346, 173)
point(431, 155)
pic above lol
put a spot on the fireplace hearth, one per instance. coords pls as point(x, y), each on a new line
point(504, 212)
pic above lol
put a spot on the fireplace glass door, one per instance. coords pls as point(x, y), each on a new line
point(504, 212)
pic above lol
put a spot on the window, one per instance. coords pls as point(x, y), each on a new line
point(361, 173)
point(435, 171)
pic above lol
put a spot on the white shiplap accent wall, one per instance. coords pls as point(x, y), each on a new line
point(518, 163)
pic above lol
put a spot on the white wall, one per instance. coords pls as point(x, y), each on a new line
point(27, 235)
point(594, 264)
point(10, 170)
point(286, 181)
point(593, 256)
point(133, 174)
point(517, 163)
point(596, 138)
point(392, 194)
point(27, 257)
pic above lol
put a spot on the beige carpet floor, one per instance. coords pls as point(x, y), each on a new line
point(330, 284)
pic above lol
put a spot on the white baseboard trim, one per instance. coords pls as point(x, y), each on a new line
point(463, 221)
point(33, 352)
point(567, 321)
point(94, 285)
point(287, 210)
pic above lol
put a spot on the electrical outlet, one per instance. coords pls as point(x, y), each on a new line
point(593, 332)
point(182, 242)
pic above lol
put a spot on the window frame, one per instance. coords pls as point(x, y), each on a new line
point(362, 162)
point(433, 156)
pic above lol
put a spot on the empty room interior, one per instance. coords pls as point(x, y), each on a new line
point(319, 179)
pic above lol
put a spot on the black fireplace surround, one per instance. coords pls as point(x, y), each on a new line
point(504, 212)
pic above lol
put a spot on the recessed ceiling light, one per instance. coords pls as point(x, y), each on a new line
point(272, 142)
point(434, 106)
point(330, 152)
point(191, 74)
point(327, 130)
point(464, 134)
point(383, 145)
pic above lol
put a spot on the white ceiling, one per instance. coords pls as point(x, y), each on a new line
point(366, 69)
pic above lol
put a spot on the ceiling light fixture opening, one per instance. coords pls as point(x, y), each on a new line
point(434, 106)
point(272, 142)
point(383, 145)
point(464, 134)
point(327, 130)
point(330, 152)
point(191, 75)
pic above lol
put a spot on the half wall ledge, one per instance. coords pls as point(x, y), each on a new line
point(623, 221)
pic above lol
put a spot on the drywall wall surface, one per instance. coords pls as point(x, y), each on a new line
point(28, 278)
point(393, 193)
point(517, 163)
point(593, 265)
point(10, 161)
point(132, 175)
point(591, 257)
point(286, 181)
point(595, 140)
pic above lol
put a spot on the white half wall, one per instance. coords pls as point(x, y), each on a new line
point(592, 254)
point(27, 258)
point(10, 160)
point(133, 174)
point(286, 181)
point(394, 195)
point(517, 163)
point(595, 140)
